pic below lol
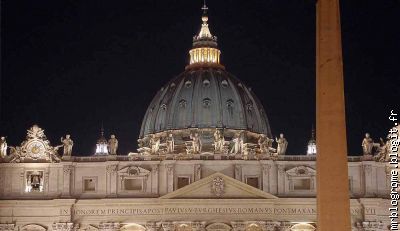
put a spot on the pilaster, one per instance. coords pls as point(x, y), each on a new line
point(112, 180)
point(67, 170)
point(154, 179)
point(170, 177)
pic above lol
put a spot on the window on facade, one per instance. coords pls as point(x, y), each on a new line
point(89, 185)
point(183, 181)
point(302, 184)
point(133, 184)
point(34, 181)
point(252, 181)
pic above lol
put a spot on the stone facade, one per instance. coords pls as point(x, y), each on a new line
point(114, 193)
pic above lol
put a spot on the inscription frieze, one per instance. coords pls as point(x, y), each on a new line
point(193, 210)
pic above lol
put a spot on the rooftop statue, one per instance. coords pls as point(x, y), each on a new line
point(263, 143)
point(113, 145)
point(170, 143)
point(282, 144)
point(67, 143)
point(3, 147)
point(196, 143)
point(219, 141)
point(237, 144)
point(367, 144)
point(154, 144)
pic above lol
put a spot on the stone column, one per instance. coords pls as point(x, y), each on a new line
point(7, 227)
point(65, 226)
point(170, 177)
point(112, 226)
point(333, 202)
point(154, 179)
point(112, 180)
point(238, 226)
point(66, 192)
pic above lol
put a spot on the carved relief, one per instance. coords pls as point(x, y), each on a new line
point(218, 186)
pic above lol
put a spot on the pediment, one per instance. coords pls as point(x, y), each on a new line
point(301, 171)
point(218, 186)
point(133, 170)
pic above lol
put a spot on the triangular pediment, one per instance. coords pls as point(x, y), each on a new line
point(218, 186)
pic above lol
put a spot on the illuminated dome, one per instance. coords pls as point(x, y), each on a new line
point(204, 97)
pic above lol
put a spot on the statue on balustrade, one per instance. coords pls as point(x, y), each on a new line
point(382, 152)
point(237, 144)
point(113, 145)
point(3, 147)
point(263, 143)
point(68, 143)
point(367, 144)
point(219, 141)
point(196, 143)
point(282, 144)
point(154, 144)
point(170, 143)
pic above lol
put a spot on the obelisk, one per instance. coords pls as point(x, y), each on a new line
point(333, 202)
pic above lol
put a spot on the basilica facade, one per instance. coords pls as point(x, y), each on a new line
point(206, 161)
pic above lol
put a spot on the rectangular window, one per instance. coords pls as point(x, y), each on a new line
point(89, 185)
point(183, 181)
point(252, 181)
point(302, 184)
point(133, 184)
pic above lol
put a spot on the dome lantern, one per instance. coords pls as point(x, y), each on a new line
point(205, 48)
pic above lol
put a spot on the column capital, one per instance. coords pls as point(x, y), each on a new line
point(65, 226)
point(198, 225)
point(284, 226)
point(168, 226)
point(7, 227)
point(111, 226)
point(151, 226)
point(238, 225)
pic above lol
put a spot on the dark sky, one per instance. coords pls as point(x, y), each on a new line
point(69, 65)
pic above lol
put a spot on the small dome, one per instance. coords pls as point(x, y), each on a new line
point(205, 97)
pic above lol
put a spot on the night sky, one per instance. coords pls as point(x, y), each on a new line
point(71, 65)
